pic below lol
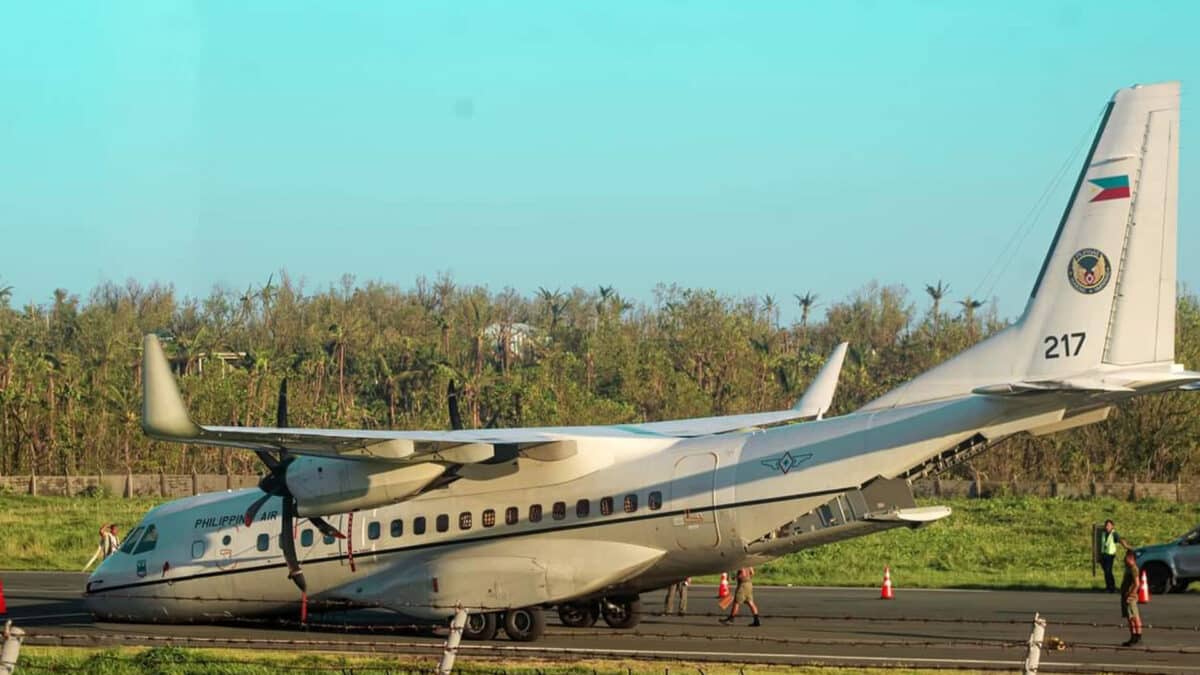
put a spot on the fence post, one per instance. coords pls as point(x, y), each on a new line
point(162, 484)
point(33, 484)
point(1033, 657)
point(450, 650)
point(195, 484)
point(12, 648)
point(128, 485)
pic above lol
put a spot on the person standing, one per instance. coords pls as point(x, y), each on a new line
point(1129, 600)
point(676, 590)
point(1109, 539)
point(108, 544)
point(744, 594)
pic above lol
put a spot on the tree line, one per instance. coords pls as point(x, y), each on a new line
point(379, 356)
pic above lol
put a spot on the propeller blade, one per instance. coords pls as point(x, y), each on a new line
point(452, 403)
point(287, 542)
point(268, 459)
point(253, 510)
point(325, 528)
point(281, 420)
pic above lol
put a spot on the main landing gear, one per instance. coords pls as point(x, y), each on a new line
point(525, 624)
point(618, 612)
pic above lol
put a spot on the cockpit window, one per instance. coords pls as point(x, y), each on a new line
point(131, 540)
point(148, 542)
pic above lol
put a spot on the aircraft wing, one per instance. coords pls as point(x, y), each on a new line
point(165, 417)
point(815, 402)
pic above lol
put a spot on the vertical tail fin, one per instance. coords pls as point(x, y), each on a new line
point(1106, 290)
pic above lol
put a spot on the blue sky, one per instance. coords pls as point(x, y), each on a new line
point(748, 147)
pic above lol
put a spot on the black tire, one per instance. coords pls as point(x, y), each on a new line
point(579, 614)
point(525, 624)
point(480, 626)
point(622, 612)
point(1180, 585)
point(1158, 578)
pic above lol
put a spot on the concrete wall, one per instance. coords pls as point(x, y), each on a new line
point(126, 485)
point(169, 485)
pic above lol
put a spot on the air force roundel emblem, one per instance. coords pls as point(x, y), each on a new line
point(1089, 271)
point(787, 461)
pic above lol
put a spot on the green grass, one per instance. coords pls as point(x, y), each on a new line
point(60, 533)
point(178, 661)
point(1019, 542)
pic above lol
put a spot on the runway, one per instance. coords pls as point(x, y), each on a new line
point(969, 629)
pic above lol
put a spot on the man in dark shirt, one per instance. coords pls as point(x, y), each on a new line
point(1129, 600)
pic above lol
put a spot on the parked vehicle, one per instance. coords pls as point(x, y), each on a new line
point(1171, 566)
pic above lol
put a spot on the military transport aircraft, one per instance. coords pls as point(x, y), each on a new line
point(490, 526)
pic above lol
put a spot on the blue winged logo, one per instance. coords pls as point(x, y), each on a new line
point(787, 461)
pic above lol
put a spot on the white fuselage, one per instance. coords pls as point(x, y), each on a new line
point(629, 516)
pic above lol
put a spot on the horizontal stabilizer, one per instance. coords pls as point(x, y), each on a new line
point(1080, 385)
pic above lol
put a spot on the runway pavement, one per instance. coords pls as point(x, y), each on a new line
point(832, 626)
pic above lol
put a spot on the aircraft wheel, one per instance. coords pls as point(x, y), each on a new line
point(622, 612)
point(480, 626)
point(525, 624)
point(578, 614)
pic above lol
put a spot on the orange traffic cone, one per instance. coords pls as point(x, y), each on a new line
point(885, 593)
point(3, 607)
point(723, 587)
point(1143, 590)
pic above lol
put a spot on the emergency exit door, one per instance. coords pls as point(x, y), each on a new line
point(692, 499)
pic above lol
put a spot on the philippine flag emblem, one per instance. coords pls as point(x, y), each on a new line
point(1113, 187)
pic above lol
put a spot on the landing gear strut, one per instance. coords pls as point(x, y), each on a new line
point(622, 612)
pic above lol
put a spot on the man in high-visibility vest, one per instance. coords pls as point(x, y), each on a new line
point(1109, 540)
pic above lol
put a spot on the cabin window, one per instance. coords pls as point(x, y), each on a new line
point(306, 537)
point(560, 510)
point(198, 549)
point(464, 520)
point(131, 540)
point(489, 517)
point(148, 542)
point(264, 541)
point(511, 515)
point(374, 529)
point(606, 506)
point(397, 528)
point(630, 503)
point(655, 501)
point(419, 525)
point(328, 539)
point(582, 508)
point(443, 522)
point(225, 540)
point(535, 513)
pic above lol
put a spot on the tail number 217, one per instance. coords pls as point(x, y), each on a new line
point(1065, 345)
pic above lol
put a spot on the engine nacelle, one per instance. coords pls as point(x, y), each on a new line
point(330, 486)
